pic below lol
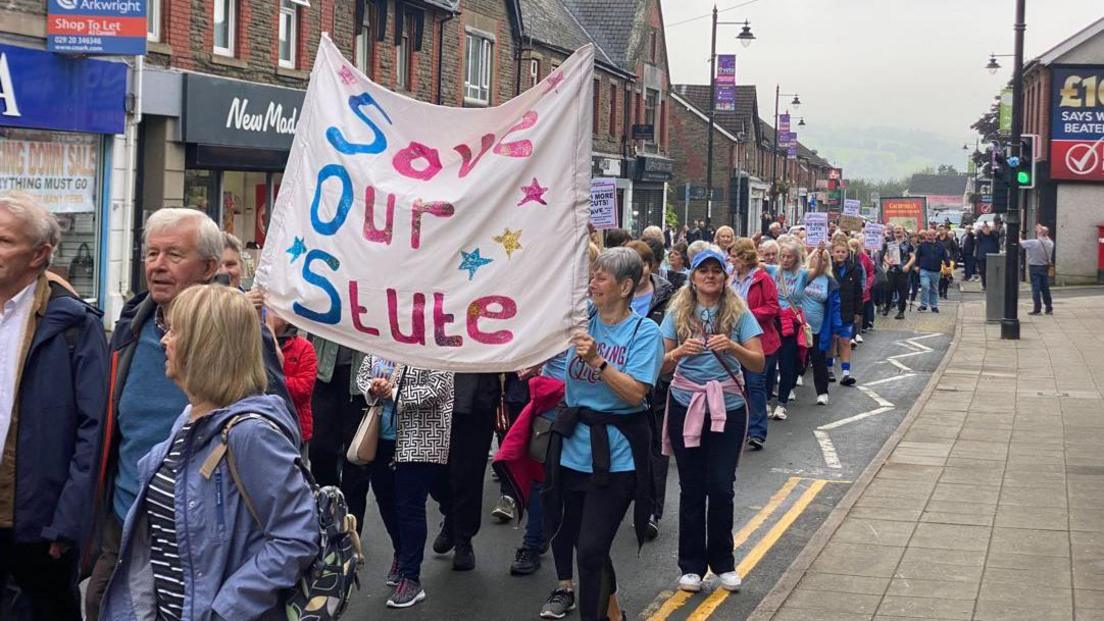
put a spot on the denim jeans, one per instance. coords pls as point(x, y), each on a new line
point(929, 288)
point(789, 360)
point(534, 527)
point(758, 396)
point(412, 483)
point(1040, 287)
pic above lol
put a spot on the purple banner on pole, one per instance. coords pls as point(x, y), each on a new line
point(726, 98)
point(783, 123)
point(726, 69)
point(791, 153)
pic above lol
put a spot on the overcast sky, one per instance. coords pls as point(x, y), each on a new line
point(863, 63)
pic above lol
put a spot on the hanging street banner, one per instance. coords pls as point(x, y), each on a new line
point(725, 83)
point(783, 125)
point(725, 98)
point(726, 69)
point(439, 237)
point(1077, 123)
point(113, 27)
point(603, 203)
point(1004, 115)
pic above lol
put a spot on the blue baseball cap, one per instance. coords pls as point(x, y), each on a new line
point(705, 255)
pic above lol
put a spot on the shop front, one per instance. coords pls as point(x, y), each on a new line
point(649, 193)
point(57, 115)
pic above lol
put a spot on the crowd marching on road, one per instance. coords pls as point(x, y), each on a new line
point(188, 468)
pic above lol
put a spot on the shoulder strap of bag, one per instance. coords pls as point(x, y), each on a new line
point(223, 450)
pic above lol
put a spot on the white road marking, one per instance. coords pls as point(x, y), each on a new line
point(828, 449)
point(850, 419)
point(889, 379)
point(876, 397)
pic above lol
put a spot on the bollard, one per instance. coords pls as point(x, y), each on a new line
point(994, 292)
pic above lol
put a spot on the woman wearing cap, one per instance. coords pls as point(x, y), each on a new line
point(598, 457)
point(756, 288)
point(709, 336)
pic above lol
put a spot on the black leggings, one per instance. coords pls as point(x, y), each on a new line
point(591, 518)
point(820, 366)
point(899, 283)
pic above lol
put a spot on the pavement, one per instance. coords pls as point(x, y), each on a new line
point(987, 503)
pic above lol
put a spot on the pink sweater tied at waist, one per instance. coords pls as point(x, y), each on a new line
point(709, 395)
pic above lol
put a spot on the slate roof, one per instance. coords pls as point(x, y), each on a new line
point(937, 185)
point(551, 23)
point(735, 122)
point(611, 24)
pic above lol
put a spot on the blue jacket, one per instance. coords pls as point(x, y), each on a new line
point(833, 322)
point(233, 569)
point(62, 391)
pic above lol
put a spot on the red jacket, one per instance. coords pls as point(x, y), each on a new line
point(762, 301)
point(300, 369)
point(868, 265)
point(512, 461)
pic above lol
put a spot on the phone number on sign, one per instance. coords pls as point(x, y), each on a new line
point(79, 40)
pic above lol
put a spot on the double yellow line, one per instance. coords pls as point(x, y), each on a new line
point(679, 598)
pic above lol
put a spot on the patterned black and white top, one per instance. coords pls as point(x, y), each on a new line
point(168, 576)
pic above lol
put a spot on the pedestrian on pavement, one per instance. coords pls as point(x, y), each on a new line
point(659, 294)
point(848, 273)
point(930, 255)
point(898, 257)
point(988, 242)
point(724, 238)
point(757, 289)
point(52, 398)
point(300, 372)
point(820, 303)
point(598, 460)
point(1038, 253)
point(790, 279)
point(250, 526)
point(709, 336)
point(968, 259)
point(677, 266)
point(183, 248)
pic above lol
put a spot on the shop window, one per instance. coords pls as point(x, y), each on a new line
point(651, 98)
point(225, 25)
point(153, 20)
point(364, 54)
point(477, 70)
point(289, 30)
point(62, 171)
point(404, 61)
point(613, 124)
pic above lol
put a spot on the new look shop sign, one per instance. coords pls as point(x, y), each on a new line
point(231, 113)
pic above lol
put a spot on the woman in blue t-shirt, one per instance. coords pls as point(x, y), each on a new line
point(816, 302)
point(790, 279)
point(709, 335)
point(598, 459)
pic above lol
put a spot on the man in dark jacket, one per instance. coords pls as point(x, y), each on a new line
point(988, 242)
point(183, 247)
point(52, 396)
point(930, 255)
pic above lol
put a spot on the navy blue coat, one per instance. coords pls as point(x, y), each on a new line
point(62, 397)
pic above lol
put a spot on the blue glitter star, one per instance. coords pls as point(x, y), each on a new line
point(472, 262)
point(298, 248)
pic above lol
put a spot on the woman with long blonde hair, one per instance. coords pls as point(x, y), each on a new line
point(709, 335)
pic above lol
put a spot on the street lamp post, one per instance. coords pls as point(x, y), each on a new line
point(1010, 322)
point(796, 103)
point(745, 38)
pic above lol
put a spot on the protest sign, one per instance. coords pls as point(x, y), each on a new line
point(445, 238)
point(603, 203)
point(873, 236)
point(851, 207)
point(816, 228)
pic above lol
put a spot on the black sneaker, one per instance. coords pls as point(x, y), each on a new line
point(443, 543)
point(900, 315)
point(756, 444)
point(393, 576)
point(526, 561)
point(1050, 311)
point(653, 528)
point(1035, 312)
point(408, 593)
point(848, 380)
point(831, 375)
point(463, 559)
point(922, 308)
point(558, 604)
point(935, 309)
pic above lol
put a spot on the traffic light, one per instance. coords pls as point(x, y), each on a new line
point(1025, 172)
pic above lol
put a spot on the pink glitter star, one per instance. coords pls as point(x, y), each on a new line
point(533, 192)
point(346, 75)
point(554, 81)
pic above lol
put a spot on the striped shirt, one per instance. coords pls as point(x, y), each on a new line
point(168, 576)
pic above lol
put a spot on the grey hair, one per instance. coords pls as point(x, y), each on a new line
point(231, 242)
point(652, 231)
point(795, 246)
point(768, 244)
point(39, 222)
point(621, 263)
point(693, 249)
point(209, 240)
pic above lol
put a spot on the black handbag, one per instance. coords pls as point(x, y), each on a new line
point(82, 267)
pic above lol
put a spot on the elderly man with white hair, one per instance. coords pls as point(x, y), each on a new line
point(52, 396)
point(182, 247)
point(1038, 253)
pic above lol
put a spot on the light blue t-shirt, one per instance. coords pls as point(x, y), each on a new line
point(556, 368)
point(641, 303)
point(794, 281)
point(704, 367)
point(384, 368)
point(814, 300)
point(632, 346)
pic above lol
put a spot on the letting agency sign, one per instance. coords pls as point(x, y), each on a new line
point(1077, 123)
point(116, 27)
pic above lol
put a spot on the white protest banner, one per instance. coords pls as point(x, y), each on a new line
point(816, 228)
point(873, 236)
point(603, 203)
point(445, 238)
point(851, 207)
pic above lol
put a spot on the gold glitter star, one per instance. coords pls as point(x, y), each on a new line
point(509, 241)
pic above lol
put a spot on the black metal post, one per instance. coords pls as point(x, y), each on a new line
point(712, 111)
point(1010, 322)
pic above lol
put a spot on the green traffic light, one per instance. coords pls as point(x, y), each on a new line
point(1023, 177)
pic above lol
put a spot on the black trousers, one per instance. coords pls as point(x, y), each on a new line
point(48, 587)
point(379, 478)
point(899, 284)
point(336, 417)
point(660, 462)
point(820, 366)
point(981, 261)
point(789, 361)
point(459, 490)
point(591, 518)
point(413, 482)
point(707, 476)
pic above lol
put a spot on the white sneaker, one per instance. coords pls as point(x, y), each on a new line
point(730, 581)
point(691, 583)
point(793, 395)
point(858, 338)
point(822, 399)
point(779, 413)
point(800, 380)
